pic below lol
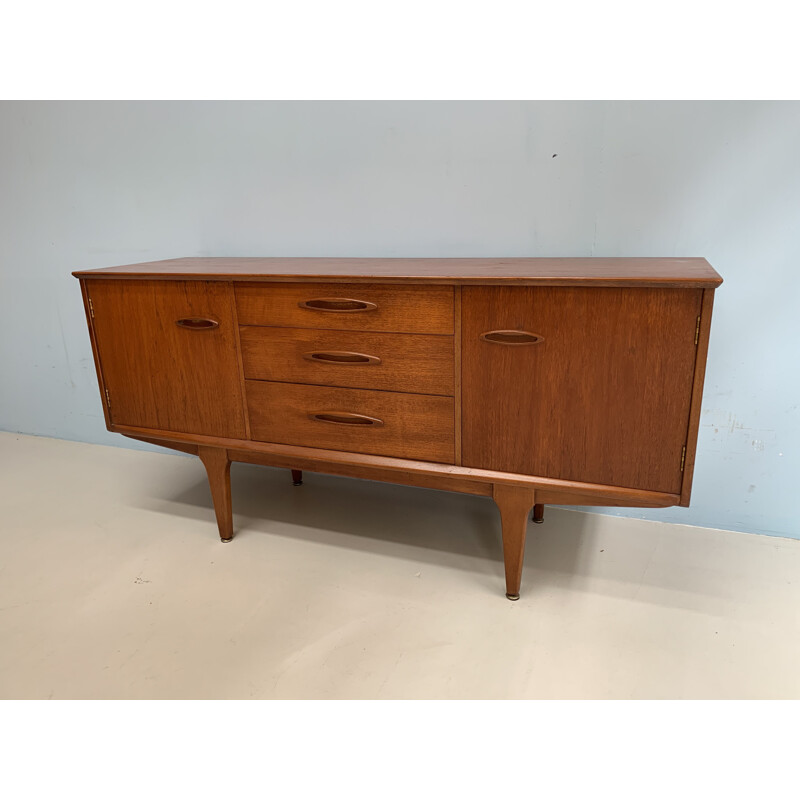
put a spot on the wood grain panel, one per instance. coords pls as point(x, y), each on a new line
point(703, 334)
point(603, 398)
point(457, 371)
point(285, 454)
point(406, 362)
point(447, 483)
point(412, 426)
point(686, 272)
point(160, 375)
point(399, 309)
point(240, 364)
point(96, 355)
point(183, 447)
point(555, 498)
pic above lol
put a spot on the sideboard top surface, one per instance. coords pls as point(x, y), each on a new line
point(670, 272)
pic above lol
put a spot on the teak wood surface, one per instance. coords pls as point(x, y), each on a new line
point(533, 381)
point(675, 272)
point(415, 426)
point(703, 335)
point(159, 375)
point(361, 465)
point(398, 309)
point(403, 362)
point(218, 468)
point(515, 503)
point(608, 389)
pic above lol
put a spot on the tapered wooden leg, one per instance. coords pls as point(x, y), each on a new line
point(515, 504)
point(297, 477)
point(538, 513)
point(218, 468)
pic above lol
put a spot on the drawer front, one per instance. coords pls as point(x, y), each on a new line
point(400, 362)
point(343, 306)
point(419, 427)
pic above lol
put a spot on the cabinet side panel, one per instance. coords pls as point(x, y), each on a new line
point(96, 355)
point(704, 333)
point(603, 396)
point(160, 375)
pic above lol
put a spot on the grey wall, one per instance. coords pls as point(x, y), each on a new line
point(95, 184)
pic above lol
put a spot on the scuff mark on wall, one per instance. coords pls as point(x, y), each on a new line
point(733, 437)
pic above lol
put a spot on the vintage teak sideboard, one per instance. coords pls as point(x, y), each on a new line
point(569, 381)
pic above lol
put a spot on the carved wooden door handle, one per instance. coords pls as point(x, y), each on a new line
point(338, 304)
point(345, 418)
point(341, 358)
point(197, 323)
point(511, 337)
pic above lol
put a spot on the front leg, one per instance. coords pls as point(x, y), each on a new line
point(218, 469)
point(515, 504)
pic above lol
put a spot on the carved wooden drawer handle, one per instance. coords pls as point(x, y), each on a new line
point(341, 358)
point(511, 337)
point(339, 304)
point(345, 418)
point(197, 323)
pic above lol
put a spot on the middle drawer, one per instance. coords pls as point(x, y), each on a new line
point(400, 362)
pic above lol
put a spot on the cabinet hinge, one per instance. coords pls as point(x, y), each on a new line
point(108, 402)
point(697, 331)
point(91, 308)
point(683, 457)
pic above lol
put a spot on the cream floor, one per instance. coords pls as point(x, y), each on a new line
point(113, 584)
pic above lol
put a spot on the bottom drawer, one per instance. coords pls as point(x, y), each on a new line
point(411, 426)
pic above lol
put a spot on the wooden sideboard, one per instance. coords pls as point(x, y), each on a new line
point(569, 381)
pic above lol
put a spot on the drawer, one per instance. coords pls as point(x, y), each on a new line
point(400, 362)
point(411, 426)
point(347, 306)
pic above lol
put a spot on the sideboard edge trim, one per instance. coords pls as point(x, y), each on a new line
point(418, 468)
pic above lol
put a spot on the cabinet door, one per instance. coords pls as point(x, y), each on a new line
point(159, 374)
point(603, 394)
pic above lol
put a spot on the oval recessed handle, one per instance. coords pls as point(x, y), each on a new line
point(345, 418)
point(511, 337)
point(339, 304)
point(341, 357)
point(197, 323)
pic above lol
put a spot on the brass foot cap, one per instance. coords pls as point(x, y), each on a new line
point(512, 596)
point(297, 483)
point(538, 521)
point(227, 540)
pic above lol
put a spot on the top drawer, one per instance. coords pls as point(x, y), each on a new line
point(347, 306)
